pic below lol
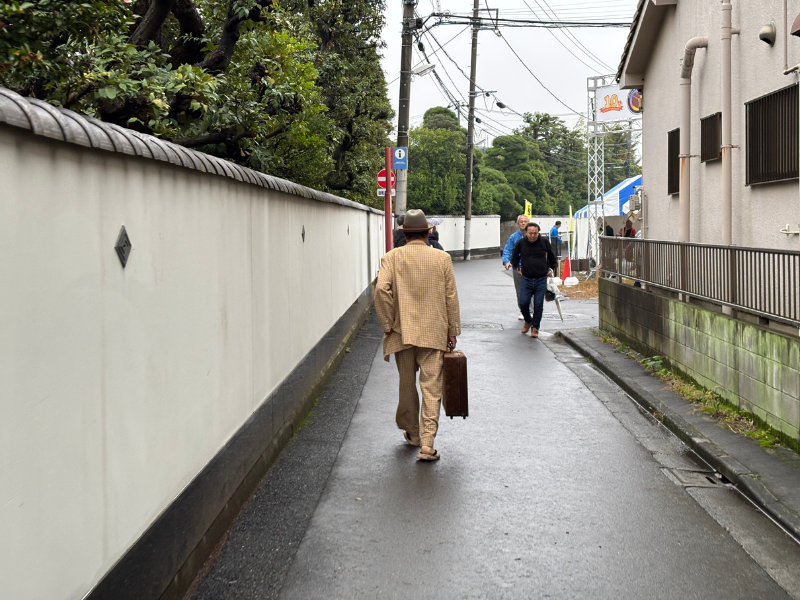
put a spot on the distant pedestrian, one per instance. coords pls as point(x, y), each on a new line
point(628, 230)
point(522, 223)
point(555, 239)
point(398, 239)
point(417, 305)
point(534, 259)
point(609, 230)
point(433, 236)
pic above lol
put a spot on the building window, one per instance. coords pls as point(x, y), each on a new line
point(711, 137)
point(772, 132)
point(674, 161)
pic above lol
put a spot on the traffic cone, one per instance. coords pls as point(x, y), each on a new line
point(569, 280)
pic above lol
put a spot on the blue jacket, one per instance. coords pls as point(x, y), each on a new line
point(509, 248)
point(554, 237)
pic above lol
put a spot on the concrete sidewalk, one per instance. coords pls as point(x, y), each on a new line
point(769, 477)
point(546, 490)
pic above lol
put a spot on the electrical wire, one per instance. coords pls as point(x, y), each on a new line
point(560, 101)
point(594, 69)
point(434, 53)
point(466, 76)
point(569, 34)
point(448, 95)
point(466, 19)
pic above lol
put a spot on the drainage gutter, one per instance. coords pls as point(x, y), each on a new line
point(740, 476)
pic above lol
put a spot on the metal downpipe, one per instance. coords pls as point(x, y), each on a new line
point(685, 188)
point(685, 198)
point(727, 172)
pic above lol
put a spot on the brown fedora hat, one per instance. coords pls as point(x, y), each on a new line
point(415, 221)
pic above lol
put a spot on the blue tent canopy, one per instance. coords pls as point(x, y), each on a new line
point(615, 201)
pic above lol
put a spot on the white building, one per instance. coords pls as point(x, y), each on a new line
point(764, 119)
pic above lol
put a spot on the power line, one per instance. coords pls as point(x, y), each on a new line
point(494, 23)
point(467, 77)
point(446, 71)
point(550, 31)
point(434, 52)
point(560, 101)
point(569, 35)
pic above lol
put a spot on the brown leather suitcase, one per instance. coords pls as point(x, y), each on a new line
point(454, 397)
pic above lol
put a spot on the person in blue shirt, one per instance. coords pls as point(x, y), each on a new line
point(522, 223)
point(555, 239)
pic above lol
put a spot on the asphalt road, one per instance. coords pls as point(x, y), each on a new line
point(556, 486)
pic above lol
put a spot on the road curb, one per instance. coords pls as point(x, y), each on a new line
point(746, 481)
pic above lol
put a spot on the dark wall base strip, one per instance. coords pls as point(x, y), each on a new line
point(477, 253)
point(165, 560)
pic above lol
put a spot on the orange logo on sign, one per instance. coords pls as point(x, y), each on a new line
point(612, 103)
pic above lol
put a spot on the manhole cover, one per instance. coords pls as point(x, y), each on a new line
point(691, 478)
point(481, 326)
point(555, 315)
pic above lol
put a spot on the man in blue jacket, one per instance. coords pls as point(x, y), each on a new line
point(522, 223)
point(555, 239)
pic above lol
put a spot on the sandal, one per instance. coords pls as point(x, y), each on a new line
point(409, 440)
point(425, 456)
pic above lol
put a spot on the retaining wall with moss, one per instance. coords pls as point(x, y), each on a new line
point(748, 365)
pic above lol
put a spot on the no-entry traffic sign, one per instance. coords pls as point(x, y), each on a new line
point(382, 178)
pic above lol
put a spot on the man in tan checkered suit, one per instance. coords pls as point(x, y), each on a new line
point(417, 305)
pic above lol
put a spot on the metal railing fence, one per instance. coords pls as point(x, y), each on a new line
point(760, 281)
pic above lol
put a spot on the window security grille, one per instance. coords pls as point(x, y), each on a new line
point(711, 137)
point(772, 136)
point(673, 161)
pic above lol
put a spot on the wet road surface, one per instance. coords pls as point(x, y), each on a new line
point(556, 486)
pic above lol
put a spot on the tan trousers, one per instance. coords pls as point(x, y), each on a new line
point(430, 365)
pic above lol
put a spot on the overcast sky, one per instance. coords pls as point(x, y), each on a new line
point(556, 59)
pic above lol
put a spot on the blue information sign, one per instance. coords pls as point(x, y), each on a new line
point(400, 158)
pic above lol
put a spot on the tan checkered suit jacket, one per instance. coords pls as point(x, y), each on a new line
point(416, 298)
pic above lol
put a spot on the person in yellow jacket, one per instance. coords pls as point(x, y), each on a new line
point(417, 305)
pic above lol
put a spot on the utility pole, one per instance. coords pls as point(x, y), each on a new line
point(471, 130)
point(403, 115)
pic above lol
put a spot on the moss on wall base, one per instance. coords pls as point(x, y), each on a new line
point(749, 366)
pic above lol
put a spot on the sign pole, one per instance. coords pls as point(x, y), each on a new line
point(387, 203)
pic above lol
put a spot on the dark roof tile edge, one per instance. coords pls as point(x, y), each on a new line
point(626, 50)
point(51, 117)
point(23, 114)
point(75, 128)
point(118, 139)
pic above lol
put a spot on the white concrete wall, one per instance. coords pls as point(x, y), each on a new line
point(760, 211)
point(118, 386)
point(485, 232)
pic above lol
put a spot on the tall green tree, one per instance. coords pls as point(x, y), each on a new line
point(440, 117)
point(493, 195)
point(348, 38)
point(437, 163)
point(299, 94)
point(520, 161)
point(564, 156)
point(621, 156)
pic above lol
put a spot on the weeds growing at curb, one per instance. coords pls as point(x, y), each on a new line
point(307, 419)
point(706, 401)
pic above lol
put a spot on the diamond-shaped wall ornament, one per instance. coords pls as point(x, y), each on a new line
point(304, 233)
point(123, 246)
